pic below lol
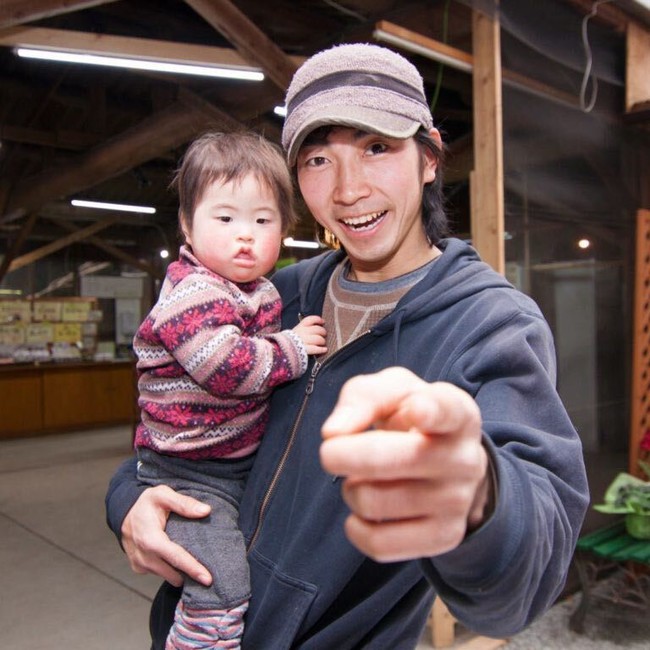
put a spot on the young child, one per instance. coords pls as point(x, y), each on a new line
point(209, 353)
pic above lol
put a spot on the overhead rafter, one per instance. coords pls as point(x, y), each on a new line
point(17, 244)
point(72, 140)
point(17, 12)
point(48, 249)
point(110, 45)
point(252, 43)
point(461, 60)
point(607, 13)
point(180, 124)
point(157, 134)
point(110, 249)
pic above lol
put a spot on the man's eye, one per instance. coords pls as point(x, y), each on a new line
point(316, 161)
point(377, 147)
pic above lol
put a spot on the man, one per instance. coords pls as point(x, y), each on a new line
point(428, 452)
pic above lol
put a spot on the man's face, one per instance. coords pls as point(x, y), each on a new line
point(367, 190)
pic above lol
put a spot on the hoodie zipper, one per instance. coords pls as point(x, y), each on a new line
point(278, 470)
point(294, 430)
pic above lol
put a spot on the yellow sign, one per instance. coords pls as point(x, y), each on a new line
point(39, 333)
point(12, 311)
point(74, 310)
point(12, 334)
point(47, 310)
point(67, 332)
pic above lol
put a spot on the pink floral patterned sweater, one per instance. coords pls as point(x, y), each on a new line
point(209, 353)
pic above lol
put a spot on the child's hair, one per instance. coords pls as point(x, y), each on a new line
point(230, 157)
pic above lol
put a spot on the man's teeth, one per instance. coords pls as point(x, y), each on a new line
point(365, 220)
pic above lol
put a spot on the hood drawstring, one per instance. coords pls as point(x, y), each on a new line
point(399, 317)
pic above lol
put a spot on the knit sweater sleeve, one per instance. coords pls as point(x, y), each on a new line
point(227, 345)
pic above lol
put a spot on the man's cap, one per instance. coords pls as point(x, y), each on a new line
point(358, 85)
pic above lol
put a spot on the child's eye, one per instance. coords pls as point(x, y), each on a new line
point(224, 219)
point(263, 220)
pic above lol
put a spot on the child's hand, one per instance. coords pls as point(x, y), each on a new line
point(312, 333)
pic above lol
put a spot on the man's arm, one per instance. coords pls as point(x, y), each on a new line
point(418, 458)
point(138, 514)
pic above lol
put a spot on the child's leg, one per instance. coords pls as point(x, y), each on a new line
point(203, 628)
point(211, 617)
point(207, 617)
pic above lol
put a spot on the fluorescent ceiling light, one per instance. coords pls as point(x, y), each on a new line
point(243, 74)
point(449, 56)
point(280, 110)
point(299, 243)
point(121, 207)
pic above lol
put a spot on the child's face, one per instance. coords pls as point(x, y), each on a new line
point(237, 229)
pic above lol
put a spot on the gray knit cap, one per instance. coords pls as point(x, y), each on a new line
point(359, 85)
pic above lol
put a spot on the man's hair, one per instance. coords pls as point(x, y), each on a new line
point(434, 216)
point(227, 157)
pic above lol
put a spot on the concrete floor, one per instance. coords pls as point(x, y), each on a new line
point(66, 584)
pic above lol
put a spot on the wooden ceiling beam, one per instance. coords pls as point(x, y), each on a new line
point(48, 249)
point(71, 140)
point(110, 249)
point(437, 51)
point(16, 12)
point(110, 45)
point(17, 244)
point(252, 43)
point(606, 14)
point(156, 135)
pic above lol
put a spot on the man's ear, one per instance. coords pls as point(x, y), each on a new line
point(435, 134)
point(431, 162)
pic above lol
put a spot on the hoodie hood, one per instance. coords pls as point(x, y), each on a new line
point(457, 274)
point(453, 291)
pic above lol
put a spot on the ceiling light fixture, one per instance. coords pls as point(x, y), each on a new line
point(242, 74)
point(281, 111)
point(441, 52)
point(299, 243)
point(120, 207)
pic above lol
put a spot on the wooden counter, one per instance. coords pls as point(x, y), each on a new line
point(54, 397)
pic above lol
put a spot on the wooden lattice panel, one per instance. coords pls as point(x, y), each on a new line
point(640, 407)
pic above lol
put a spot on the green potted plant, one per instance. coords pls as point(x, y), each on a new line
point(630, 496)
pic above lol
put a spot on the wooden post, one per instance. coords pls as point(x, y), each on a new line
point(640, 397)
point(486, 181)
point(442, 625)
point(637, 79)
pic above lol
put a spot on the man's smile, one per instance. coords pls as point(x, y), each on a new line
point(365, 221)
